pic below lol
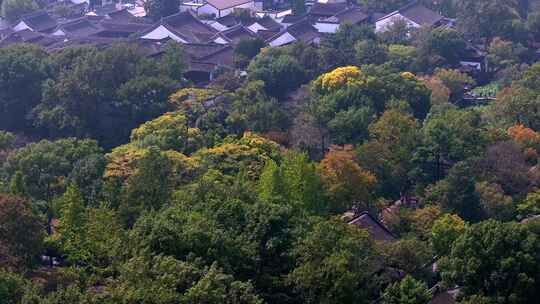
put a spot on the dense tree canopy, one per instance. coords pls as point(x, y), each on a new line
point(371, 166)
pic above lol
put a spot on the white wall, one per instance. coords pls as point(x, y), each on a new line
point(255, 27)
point(208, 9)
point(324, 27)
point(59, 33)
point(162, 32)
point(220, 40)
point(383, 24)
point(21, 26)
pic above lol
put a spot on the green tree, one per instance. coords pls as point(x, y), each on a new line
point(22, 233)
point(504, 54)
point(245, 50)
point(174, 61)
point(530, 205)
point(338, 49)
point(149, 188)
point(334, 264)
point(254, 110)
point(217, 287)
point(11, 287)
point(157, 9)
point(438, 46)
point(370, 52)
point(402, 57)
point(407, 291)
point(457, 193)
point(295, 181)
point(449, 135)
point(408, 255)
point(169, 131)
point(496, 260)
point(388, 154)
point(145, 98)
point(456, 81)
point(14, 9)
point(7, 140)
point(486, 19)
point(87, 176)
point(121, 89)
point(21, 66)
point(104, 237)
point(445, 231)
point(281, 73)
point(163, 279)
point(40, 169)
point(72, 226)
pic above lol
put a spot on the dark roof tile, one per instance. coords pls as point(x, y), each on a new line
point(238, 33)
point(376, 230)
point(228, 20)
point(352, 15)
point(421, 14)
point(326, 9)
point(39, 21)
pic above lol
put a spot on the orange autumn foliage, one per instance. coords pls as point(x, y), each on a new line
point(523, 135)
point(346, 182)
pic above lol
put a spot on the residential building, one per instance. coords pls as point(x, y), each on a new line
point(414, 14)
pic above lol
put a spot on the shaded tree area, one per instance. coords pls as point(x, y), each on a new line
point(84, 92)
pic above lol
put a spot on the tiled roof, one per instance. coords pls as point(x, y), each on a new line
point(292, 18)
point(228, 20)
point(39, 21)
point(238, 33)
point(121, 30)
point(376, 230)
point(80, 27)
point(206, 57)
point(303, 31)
point(122, 16)
point(417, 13)
point(269, 23)
point(189, 27)
point(326, 9)
point(265, 34)
point(28, 36)
point(200, 50)
point(420, 14)
point(224, 4)
point(352, 15)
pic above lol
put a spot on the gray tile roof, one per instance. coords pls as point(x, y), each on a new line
point(326, 9)
point(421, 14)
point(39, 21)
point(353, 15)
point(189, 27)
point(224, 4)
point(376, 230)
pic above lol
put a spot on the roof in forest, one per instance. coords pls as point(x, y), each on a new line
point(375, 228)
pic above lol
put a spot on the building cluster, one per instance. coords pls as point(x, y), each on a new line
point(209, 29)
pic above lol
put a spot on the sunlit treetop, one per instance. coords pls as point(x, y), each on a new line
point(523, 135)
point(408, 75)
point(340, 78)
